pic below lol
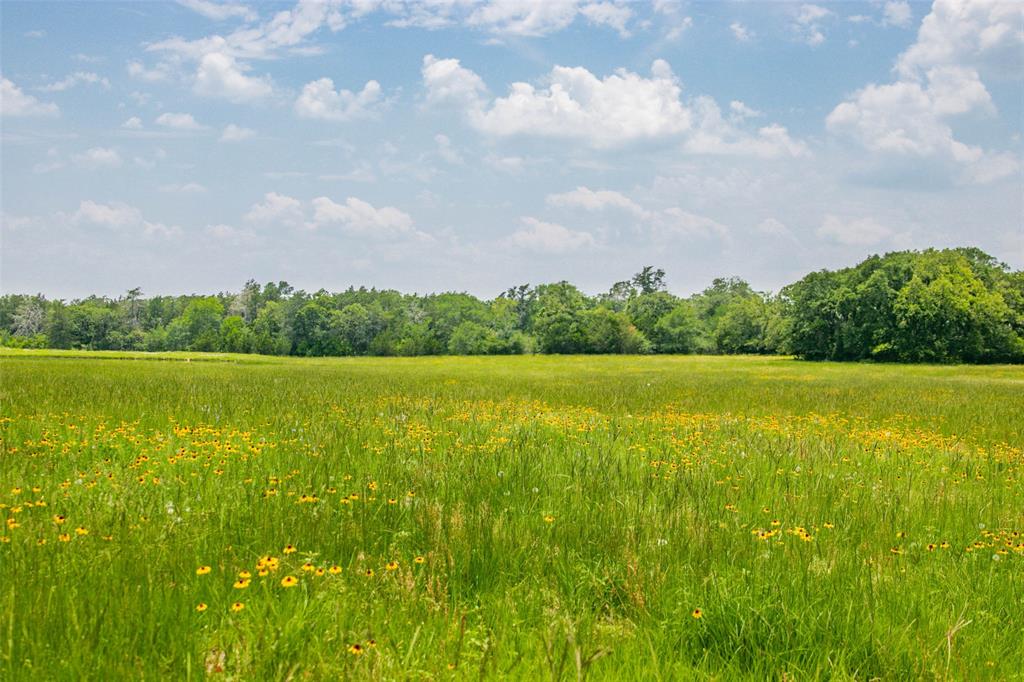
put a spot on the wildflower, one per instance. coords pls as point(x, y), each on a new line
point(372, 485)
point(289, 549)
point(319, 572)
point(64, 537)
point(334, 570)
point(237, 606)
point(420, 560)
point(392, 500)
point(59, 519)
point(81, 531)
point(392, 566)
point(931, 546)
point(242, 583)
point(356, 650)
point(698, 614)
point(244, 575)
point(369, 573)
point(201, 606)
point(371, 643)
point(308, 567)
point(549, 519)
point(289, 581)
point(203, 570)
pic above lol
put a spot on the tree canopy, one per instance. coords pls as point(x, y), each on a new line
point(952, 305)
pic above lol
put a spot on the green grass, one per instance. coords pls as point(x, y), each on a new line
point(571, 513)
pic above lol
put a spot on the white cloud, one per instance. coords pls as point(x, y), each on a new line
point(550, 238)
point(179, 121)
point(774, 228)
point(609, 14)
point(219, 11)
point(160, 72)
point(118, 215)
point(186, 188)
point(74, 79)
point(448, 82)
point(220, 75)
point(358, 217)
point(446, 151)
point(897, 13)
point(133, 123)
point(14, 102)
point(853, 232)
point(741, 32)
point(741, 111)
point(517, 18)
point(673, 223)
point(938, 79)
point(588, 199)
point(235, 133)
point(575, 104)
point(807, 23)
point(277, 208)
point(319, 100)
point(35, 34)
point(98, 157)
point(604, 112)
point(982, 34)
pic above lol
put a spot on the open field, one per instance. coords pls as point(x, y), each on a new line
point(526, 517)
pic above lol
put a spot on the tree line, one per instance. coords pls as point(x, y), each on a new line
point(951, 305)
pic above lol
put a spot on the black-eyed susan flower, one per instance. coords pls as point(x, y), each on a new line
point(64, 537)
point(59, 519)
point(334, 570)
point(289, 581)
point(356, 649)
point(319, 572)
point(308, 567)
point(697, 613)
point(237, 606)
point(420, 560)
point(201, 606)
point(241, 583)
point(203, 570)
point(289, 549)
point(549, 519)
point(81, 531)
point(368, 573)
point(244, 575)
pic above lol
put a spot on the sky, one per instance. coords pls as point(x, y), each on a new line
point(450, 145)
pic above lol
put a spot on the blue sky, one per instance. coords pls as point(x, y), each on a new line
point(456, 145)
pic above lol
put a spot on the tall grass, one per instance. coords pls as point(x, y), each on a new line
point(525, 517)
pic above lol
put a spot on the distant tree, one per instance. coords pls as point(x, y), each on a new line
point(558, 322)
point(649, 280)
point(269, 334)
point(235, 337)
point(198, 328)
point(679, 330)
point(29, 318)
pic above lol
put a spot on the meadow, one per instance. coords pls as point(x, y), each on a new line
point(530, 517)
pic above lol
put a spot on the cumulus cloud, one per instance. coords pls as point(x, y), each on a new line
point(591, 200)
point(140, 71)
point(15, 102)
point(603, 113)
point(938, 78)
point(610, 14)
point(76, 78)
point(853, 232)
point(897, 13)
point(277, 209)
point(220, 75)
point(118, 215)
point(549, 238)
point(741, 32)
point(361, 218)
point(219, 11)
point(98, 157)
point(235, 133)
point(179, 121)
point(807, 23)
point(319, 100)
point(774, 228)
point(659, 223)
point(133, 123)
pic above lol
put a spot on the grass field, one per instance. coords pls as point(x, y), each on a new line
point(528, 517)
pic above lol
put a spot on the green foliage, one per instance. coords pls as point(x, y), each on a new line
point(955, 305)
